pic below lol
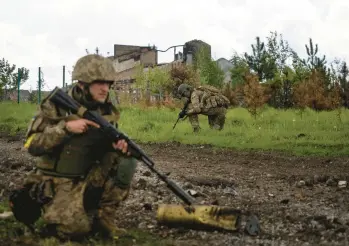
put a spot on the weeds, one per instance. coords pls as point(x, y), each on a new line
point(324, 133)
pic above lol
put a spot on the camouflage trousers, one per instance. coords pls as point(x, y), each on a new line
point(75, 210)
point(216, 118)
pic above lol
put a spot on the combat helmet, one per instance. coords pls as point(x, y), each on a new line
point(184, 90)
point(93, 67)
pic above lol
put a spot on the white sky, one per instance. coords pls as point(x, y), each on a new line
point(54, 33)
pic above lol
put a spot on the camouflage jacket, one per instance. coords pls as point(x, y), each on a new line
point(47, 127)
point(204, 98)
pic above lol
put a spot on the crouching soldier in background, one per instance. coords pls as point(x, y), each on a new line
point(80, 178)
point(205, 100)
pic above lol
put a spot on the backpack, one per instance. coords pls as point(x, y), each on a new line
point(212, 97)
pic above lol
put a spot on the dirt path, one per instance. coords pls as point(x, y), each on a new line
point(297, 199)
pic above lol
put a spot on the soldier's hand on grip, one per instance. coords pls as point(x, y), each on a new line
point(79, 126)
point(121, 145)
point(181, 114)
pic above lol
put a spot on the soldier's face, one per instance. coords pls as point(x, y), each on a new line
point(99, 91)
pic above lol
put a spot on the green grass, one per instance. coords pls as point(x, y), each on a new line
point(15, 117)
point(9, 227)
point(275, 129)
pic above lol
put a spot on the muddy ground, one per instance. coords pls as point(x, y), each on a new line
point(297, 199)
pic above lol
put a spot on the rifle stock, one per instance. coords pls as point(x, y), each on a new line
point(63, 100)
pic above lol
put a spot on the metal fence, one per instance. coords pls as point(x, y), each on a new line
point(43, 79)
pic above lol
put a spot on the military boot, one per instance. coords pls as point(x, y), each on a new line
point(217, 127)
point(108, 228)
point(196, 129)
point(107, 212)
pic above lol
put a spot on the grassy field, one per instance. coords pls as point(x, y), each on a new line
point(312, 134)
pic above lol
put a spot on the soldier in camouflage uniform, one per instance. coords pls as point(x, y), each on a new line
point(79, 175)
point(205, 100)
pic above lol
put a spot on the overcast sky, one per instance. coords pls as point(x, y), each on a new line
point(54, 33)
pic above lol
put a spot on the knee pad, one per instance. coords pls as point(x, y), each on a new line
point(24, 208)
point(125, 171)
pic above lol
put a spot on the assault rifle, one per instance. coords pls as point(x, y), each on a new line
point(182, 112)
point(63, 100)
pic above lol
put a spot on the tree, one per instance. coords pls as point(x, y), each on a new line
point(344, 83)
point(313, 61)
point(335, 99)
point(311, 92)
point(343, 74)
point(260, 61)
point(301, 97)
point(302, 71)
point(235, 95)
point(316, 63)
point(334, 96)
point(153, 80)
point(281, 83)
point(182, 74)
point(339, 74)
point(280, 88)
point(279, 50)
point(238, 71)
point(255, 95)
point(210, 72)
point(9, 75)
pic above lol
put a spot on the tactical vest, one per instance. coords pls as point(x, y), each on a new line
point(76, 155)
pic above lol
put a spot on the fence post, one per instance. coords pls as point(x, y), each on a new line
point(18, 84)
point(147, 99)
point(64, 77)
point(39, 86)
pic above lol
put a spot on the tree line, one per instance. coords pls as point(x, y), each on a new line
point(9, 74)
point(273, 73)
